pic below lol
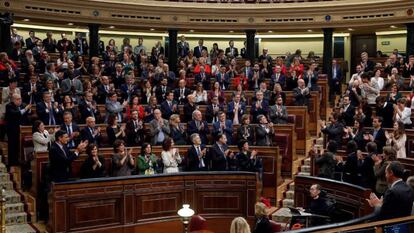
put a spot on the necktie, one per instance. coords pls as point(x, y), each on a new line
point(182, 92)
point(51, 116)
point(71, 143)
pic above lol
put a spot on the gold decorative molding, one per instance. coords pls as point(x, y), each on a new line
point(146, 14)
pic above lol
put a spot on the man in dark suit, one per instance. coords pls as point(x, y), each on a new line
point(31, 41)
point(236, 109)
point(259, 107)
point(398, 200)
point(88, 108)
point(203, 78)
point(162, 90)
point(196, 155)
point(367, 64)
point(385, 110)
point(129, 89)
point(231, 51)
point(48, 111)
point(266, 56)
point(189, 108)
point(222, 159)
point(135, 130)
point(223, 126)
point(278, 113)
point(277, 77)
point(347, 111)
point(118, 75)
point(91, 133)
point(197, 125)
point(169, 106)
point(104, 89)
point(223, 78)
point(16, 115)
point(255, 77)
point(335, 130)
point(181, 93)
point(80, 44)
point(213, 110)
point(31, 90)
point(64, 45)
point(378, 135)
point(166, 74)
point(335, 80)
point(49, 43)
point(183, 47)
point(60, 157)
point(301, 94)
point(71, 128)
point(198, 49)
point(264, 131)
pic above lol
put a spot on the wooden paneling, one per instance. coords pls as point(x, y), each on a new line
point(272, 162)
point(77, 206)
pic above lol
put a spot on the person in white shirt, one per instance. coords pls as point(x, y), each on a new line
point(356, 76)
point(41, 137)
point(170, 156)
point(397, 139)
point(377, 77)
point(402, 113)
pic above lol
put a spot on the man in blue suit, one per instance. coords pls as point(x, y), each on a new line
point(236, 109)
point(60, 157)
point(223, 78)
point(223, 126)
point(198, 49)
point(48, 111)
point(169, 106)
point(335, 80)
point(197, 125)
point(277, 77)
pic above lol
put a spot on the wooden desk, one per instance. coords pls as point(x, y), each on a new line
point(149, 204)
point(350, 198)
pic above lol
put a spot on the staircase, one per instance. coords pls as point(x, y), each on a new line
point(16, 217)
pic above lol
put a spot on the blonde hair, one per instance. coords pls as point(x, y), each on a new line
point(260, 209)
point(239, 225)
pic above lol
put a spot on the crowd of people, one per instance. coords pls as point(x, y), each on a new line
point(143, 97)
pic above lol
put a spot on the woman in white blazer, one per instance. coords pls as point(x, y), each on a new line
point(41, 137)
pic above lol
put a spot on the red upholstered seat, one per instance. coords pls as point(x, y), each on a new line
point(197, 223)
point(276, 227)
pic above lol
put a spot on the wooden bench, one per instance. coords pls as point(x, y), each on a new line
point(349, 198)
point(148, 204)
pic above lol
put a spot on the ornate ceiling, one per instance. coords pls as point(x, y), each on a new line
point(204, 16)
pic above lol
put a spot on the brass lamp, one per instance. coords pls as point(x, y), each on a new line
point(185, 214)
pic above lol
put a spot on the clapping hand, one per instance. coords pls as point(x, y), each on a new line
point(374, 201)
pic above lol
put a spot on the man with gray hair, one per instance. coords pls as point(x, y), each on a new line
point(16, 115)
point(159, 128)
point(197, 125)
point(196, 155)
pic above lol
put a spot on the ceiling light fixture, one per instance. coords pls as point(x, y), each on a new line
point(269, 31)
point(70, 24)
point(191, 30)
point(393, 26)
point(350, 29)
point(310, 30)
point(111, 27)
point(26, 20)
point(152, 29)
point(231, 31)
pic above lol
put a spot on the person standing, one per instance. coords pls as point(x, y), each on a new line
point(16, 115)
point(398, 199)
point(61, 158)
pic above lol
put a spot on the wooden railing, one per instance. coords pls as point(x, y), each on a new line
point(148, 204)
